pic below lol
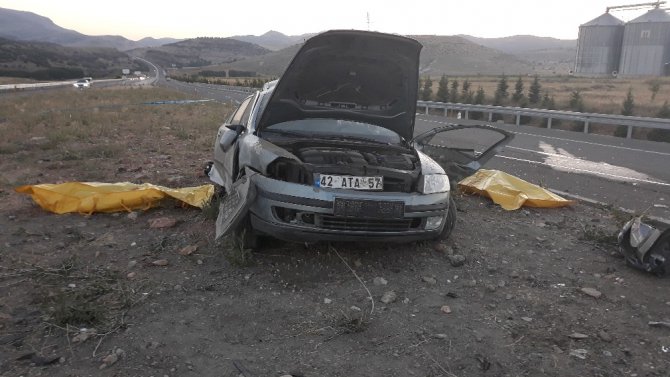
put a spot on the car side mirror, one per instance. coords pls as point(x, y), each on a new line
point(230, 136)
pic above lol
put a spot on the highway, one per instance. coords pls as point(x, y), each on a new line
point(9, 89)
point(632, 174)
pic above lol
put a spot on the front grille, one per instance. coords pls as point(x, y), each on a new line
point(371, 225)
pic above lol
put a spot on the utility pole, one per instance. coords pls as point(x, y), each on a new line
point(368, 18)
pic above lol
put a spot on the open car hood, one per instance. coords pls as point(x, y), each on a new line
point(360, 76)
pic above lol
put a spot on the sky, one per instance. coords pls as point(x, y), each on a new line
point(136, 19)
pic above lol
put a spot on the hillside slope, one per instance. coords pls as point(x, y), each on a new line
point(201, 52)
point(274, 40)
point(49, 61)
point(28, 26)
point(548, 54)
point(440, 55)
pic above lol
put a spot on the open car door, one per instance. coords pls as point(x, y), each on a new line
point(462, 149)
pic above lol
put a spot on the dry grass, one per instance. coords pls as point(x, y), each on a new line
point(601, 95)
point(72, 133)
point(14, 80)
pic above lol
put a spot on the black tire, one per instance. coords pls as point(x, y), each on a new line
point(450, 221)
point(661, 251)
point(246, 236)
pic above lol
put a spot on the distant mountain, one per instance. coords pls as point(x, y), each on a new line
point(271, 52)
point(199, 52)
point(50, 61)
point(27, 26)
point(274, 40)
point(155, 42)
point(548, 54)
point(453, 55)
point(270, 64)
point(440, 55)
point(524, 43)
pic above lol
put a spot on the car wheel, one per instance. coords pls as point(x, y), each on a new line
point(450, 221)
point(247, 238)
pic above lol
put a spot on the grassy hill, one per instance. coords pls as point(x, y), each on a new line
point(49, 61)
point(548, 55)
point(274, 40)
point(454, 55)
point(440, 55)
point(201, 52)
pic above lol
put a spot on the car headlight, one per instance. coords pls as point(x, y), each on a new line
point(433, 183)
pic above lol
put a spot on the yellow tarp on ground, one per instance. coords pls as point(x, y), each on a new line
point(89, 197)
point(509, 191)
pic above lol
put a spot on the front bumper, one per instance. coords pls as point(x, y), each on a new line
point(302, 213)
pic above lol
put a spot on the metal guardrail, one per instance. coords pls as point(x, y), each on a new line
point(587, 118)
point(16, 87)
point(35, 85)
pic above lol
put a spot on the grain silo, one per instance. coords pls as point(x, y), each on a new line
point(599, 46)
point(646, 45)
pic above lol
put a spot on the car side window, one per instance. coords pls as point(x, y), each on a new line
point(241, 115)
point(246, 113)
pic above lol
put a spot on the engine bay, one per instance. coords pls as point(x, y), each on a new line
point(400, 167)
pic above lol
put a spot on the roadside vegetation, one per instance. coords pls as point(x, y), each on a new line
point(644, 97)
point(61, 128)
point(234, 78)
point(49, 61)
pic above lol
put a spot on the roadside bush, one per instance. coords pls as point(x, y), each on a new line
point(576, 101)
point(658, 134)
point(427, 93)
point(627, 108)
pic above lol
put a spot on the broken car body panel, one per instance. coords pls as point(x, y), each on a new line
point(235, 205)
point(329, 148)
point(461, 162)
point(645, 247)
point(258, 153)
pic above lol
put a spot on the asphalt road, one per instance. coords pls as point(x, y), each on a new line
point(631, 174)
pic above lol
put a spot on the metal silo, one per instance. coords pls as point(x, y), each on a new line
point(599, 46)
point(646, 45)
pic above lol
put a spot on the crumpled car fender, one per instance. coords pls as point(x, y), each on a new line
point(258, 154)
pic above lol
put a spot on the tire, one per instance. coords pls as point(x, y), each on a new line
point(450, 221)
point(661, 251)
point(246, 236)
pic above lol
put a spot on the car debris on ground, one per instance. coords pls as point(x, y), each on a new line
point(645, 247)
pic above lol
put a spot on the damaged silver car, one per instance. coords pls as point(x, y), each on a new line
point(328, 151)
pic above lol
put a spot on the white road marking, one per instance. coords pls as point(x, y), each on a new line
point(618, 177)
point(542, 153)
point(557, 159)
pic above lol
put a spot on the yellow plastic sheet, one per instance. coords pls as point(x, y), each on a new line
point(509, 191)
point(89, 197)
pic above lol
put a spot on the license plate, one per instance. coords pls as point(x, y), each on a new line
point(349, 182)
point(377, 209)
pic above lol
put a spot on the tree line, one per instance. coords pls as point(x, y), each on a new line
point(256, 82)
point(456, 92)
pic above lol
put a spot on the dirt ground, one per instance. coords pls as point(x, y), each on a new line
point(108, 295)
